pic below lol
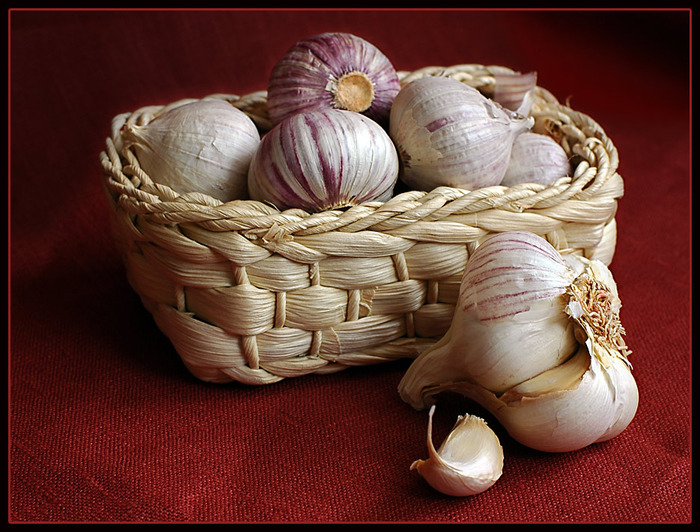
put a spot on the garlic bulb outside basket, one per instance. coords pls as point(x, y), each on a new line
point(536, 339)
point(508, 326)
point(324, 159)
point(468, 462)
point(332, 71)
point(536, 158)
point(449, 134)
point(202, 146)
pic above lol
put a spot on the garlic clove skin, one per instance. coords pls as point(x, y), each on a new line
point(199, 146)
point(589, 397)
point(569, 407)
point(449, 134)
point(324, 159)
point(536, 158)
point(468, 462)
point(332, 70)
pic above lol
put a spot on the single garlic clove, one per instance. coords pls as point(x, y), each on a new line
point(449, 134)
point(468, 462)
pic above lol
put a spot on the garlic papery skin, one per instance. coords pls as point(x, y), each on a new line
point(449, 134)
point(201, 146)
point(536, 158)
point(469, 461)
point(332, 71)
point(324, 159)
point(588, 396)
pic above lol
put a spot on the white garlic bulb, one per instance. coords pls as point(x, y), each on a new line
point(324, 159)
point(449, 134)
point(468, 462)
point(536, 339)
point(201, 146)
point(536, 158)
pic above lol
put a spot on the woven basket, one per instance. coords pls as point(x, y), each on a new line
point(250, 294)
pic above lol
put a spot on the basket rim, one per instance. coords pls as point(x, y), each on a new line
point(136, 193)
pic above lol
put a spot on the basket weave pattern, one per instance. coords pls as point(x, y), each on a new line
point(250, 294)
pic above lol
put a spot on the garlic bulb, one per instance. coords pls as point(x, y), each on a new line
point(536, 339)
point(536, 158)
point(468, 462)
point(508, 326)
point(202, 146)
point(332, 71)
point(449, 134)
point(512, 90)
point(324, 159)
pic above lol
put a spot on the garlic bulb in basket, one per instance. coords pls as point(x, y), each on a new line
point(513, 89)
point(201, 146)
point(536, 339)
point(322, 160)
point(468, 462)
point(449, 134)
point(536, 158)
point(332, 71)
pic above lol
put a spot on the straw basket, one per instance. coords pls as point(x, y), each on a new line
point(250, 294)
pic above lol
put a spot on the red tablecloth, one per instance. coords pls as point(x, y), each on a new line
point(107, 425)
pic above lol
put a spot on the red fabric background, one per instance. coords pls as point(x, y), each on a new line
point(107, 425)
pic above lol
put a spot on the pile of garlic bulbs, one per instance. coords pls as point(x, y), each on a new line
point(346, 132)
point(536, 337)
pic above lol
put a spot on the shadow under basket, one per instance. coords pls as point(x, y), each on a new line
point(250, 294)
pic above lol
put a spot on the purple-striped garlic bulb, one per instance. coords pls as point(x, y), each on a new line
point(324, 159)
point(536, 339)
point(332, 71)
point(200, 146)
point(536, 158)
point(449, 134)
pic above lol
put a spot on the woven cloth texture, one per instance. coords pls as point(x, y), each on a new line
point(108, 425)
